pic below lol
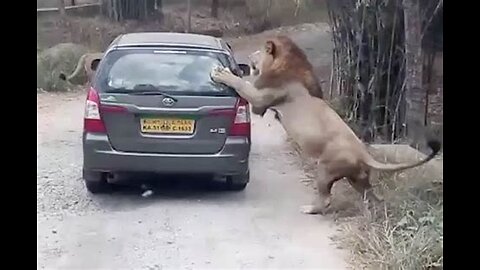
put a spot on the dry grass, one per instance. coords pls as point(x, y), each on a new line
point(405, 232)
point(286, 12)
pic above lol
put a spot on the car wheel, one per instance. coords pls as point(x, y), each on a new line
point(238, 182)
point(96, 182)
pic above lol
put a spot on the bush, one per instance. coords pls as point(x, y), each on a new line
point(405, 232)
point(53, 61)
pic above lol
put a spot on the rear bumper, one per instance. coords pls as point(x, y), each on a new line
point(98, 155)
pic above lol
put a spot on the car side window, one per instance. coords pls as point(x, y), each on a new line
point(234, 66)
point(232, 63)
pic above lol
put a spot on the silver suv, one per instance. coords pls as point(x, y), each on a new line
point(152, 107)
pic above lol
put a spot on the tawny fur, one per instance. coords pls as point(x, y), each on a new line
point(83, 67)
point(320, 133)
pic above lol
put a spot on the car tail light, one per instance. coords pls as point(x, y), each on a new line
point(92, 119)
point(241, 123)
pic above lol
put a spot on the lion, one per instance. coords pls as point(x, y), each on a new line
point(296, 60)
point(320, 133)
point(87, 64)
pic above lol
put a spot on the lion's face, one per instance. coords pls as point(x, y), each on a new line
point(262, 59)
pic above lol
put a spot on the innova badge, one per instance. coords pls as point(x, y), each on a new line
point(168, 101)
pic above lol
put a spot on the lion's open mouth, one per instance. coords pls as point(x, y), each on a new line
point(253, 66)
point(255, 70)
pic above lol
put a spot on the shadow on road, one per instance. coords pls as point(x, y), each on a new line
point(145, 190)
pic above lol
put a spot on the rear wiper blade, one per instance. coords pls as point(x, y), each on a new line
point(149, 89)
point(142, 89)
point(151, 93)
point(121, 90)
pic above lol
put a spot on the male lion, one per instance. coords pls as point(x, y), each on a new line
point(317, 129)
point(297, 60)
point(87, 64)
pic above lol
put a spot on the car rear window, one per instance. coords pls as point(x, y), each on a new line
point(179, 72)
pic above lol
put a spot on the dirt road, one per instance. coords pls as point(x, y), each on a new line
point(179, 227)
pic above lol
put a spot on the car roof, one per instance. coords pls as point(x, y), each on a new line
point(168, 39)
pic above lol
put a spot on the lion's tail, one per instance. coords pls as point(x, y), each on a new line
point(435, 145)
point(78, 69)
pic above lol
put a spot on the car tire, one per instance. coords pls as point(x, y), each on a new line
point(96, 182)
point(238, 182)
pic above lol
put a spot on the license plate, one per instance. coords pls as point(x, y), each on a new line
point(167, 125)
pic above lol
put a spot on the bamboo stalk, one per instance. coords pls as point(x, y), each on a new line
point(389, 70)
point(368, 63)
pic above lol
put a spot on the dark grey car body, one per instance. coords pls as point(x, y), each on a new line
point(124, 147)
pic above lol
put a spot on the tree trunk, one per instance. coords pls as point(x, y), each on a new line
point(159, 8)
point(214, 9)
point(120, 10)
point(72, 2)
point(115, 9)
point(61, 7)
point(414, 67)
point(189, 16)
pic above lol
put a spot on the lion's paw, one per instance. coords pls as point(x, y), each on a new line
point(222, 75)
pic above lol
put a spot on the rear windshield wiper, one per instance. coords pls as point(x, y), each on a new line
point(142, 89)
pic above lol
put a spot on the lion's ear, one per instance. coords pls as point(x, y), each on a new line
point(94, 64)
point(270, 47)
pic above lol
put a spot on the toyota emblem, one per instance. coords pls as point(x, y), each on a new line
point(168, 101)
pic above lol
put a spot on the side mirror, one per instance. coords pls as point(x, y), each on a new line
point(94, 64)
point(245, 69)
